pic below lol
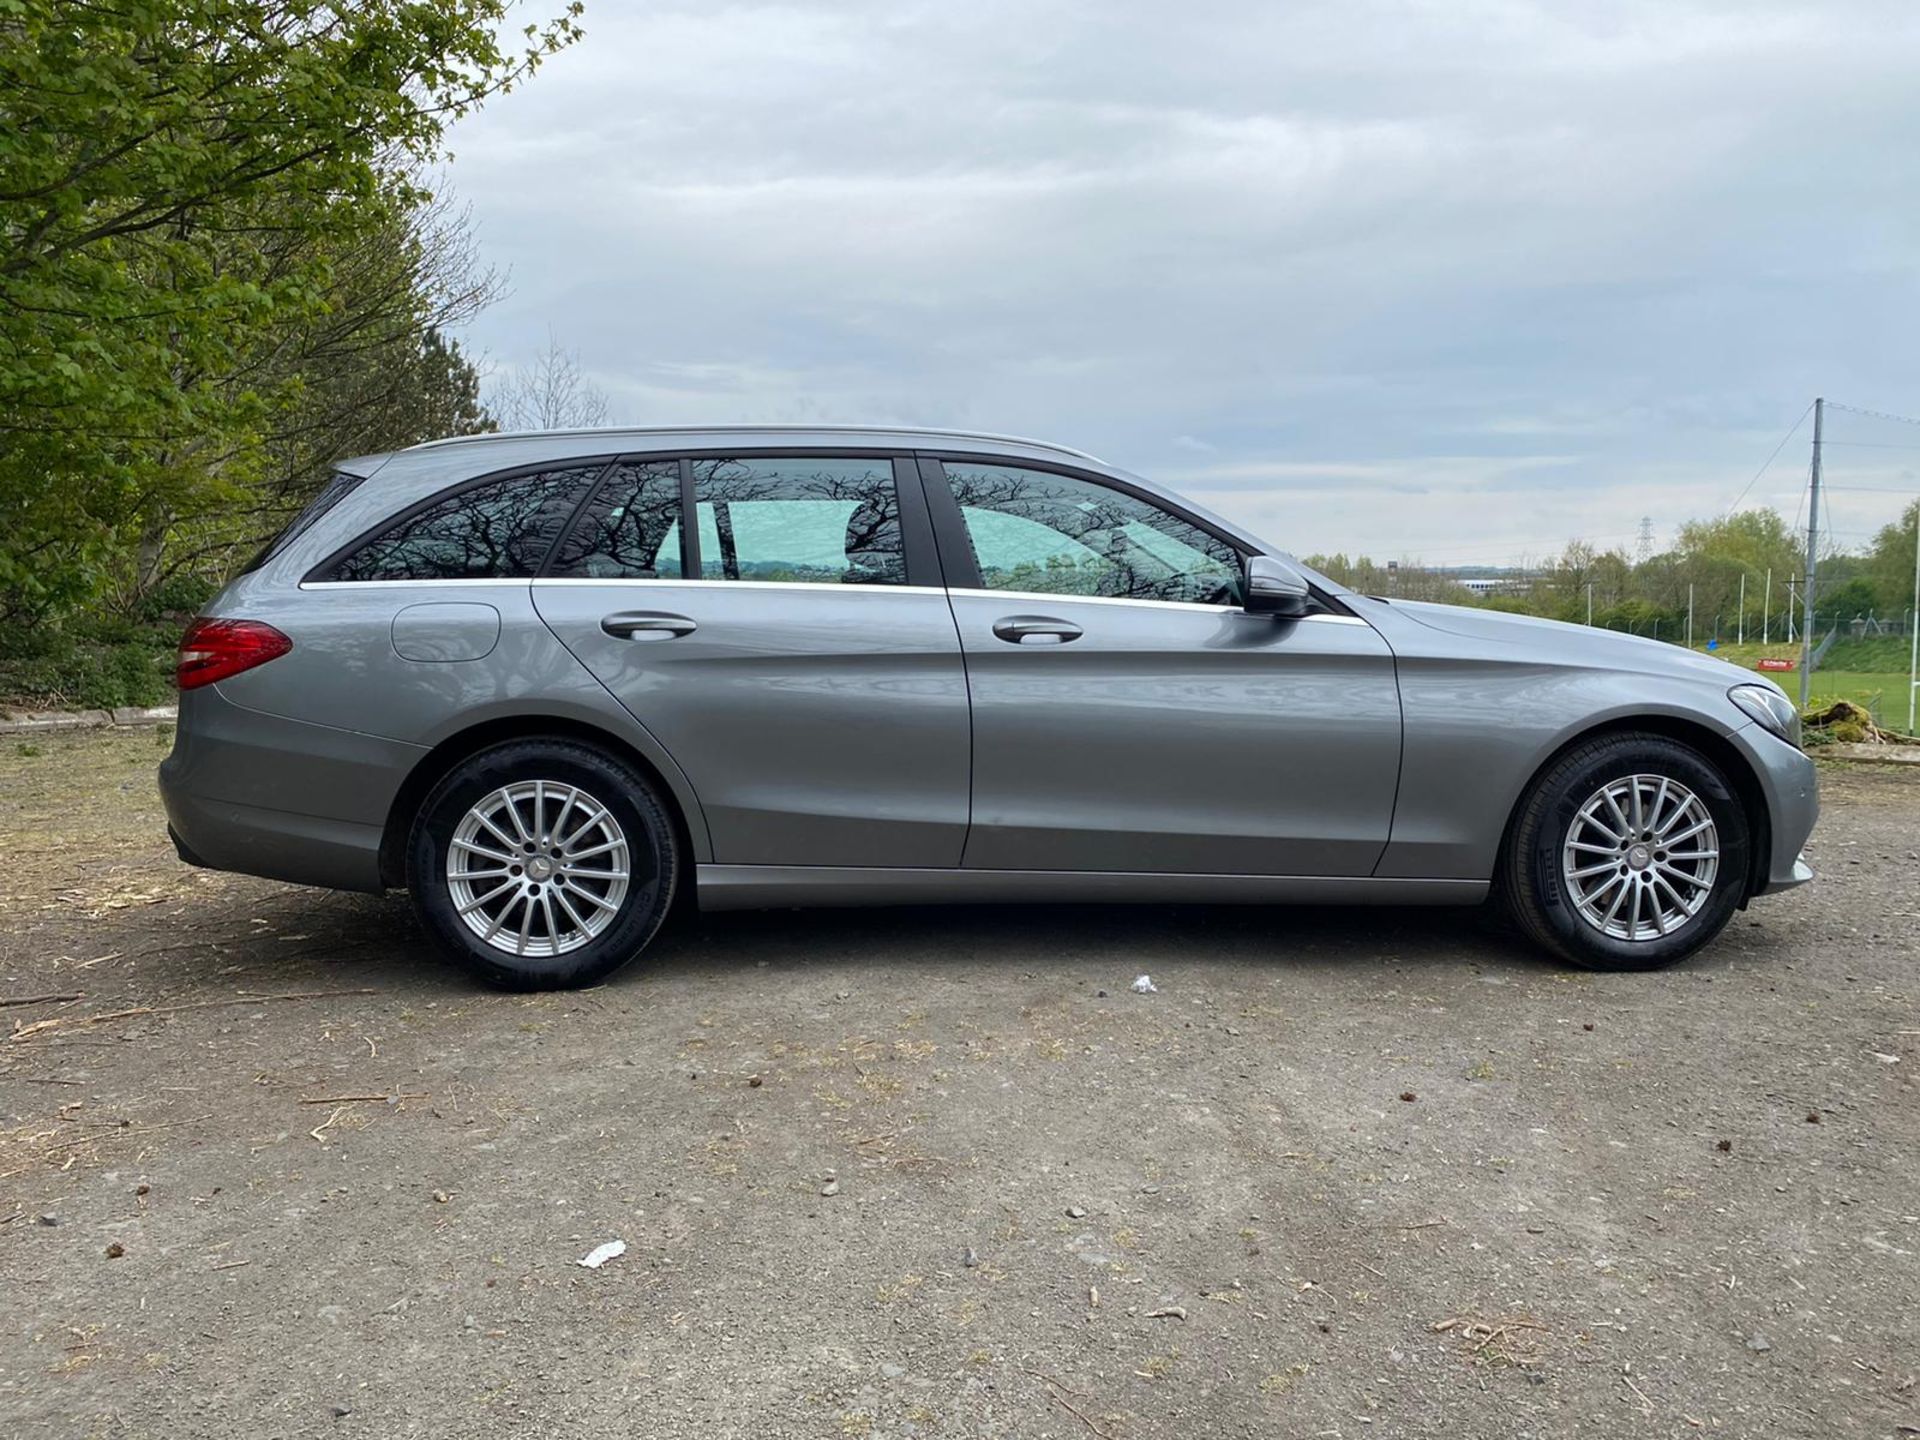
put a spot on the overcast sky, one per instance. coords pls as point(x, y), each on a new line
point(1460, 279)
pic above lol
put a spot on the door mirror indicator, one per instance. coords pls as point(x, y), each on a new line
point(1275, 588)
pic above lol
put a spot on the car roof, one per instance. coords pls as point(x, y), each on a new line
point(501, 448)
point(918, 435)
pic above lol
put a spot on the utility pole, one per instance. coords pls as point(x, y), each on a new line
point(1766, 611)
point(1689, 615)
point(1589, 602)
point(1813, 554)
point(1792, 608)
point(1740, 621)
point(1913, 644)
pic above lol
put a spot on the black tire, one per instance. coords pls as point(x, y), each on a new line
point(652, 856)
point(1535, 891)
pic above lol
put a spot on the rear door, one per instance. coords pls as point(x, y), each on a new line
point(1128, 715)
point(792, 649)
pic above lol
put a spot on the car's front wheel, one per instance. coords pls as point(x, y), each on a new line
point(540, 864)
point(1629, 853)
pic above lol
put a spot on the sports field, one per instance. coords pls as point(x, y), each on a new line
point(1870, 672)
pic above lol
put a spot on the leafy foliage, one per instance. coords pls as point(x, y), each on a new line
point(193, 193)
point(1708, 564)
point(1890, 564)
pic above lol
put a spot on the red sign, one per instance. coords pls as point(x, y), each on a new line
point(1776, 665)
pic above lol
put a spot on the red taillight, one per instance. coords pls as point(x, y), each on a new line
point(218, 649)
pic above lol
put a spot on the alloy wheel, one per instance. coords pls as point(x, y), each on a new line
point(1640, 857)
point(538, 868)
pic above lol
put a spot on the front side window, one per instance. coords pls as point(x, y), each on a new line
point(1056, 535)
point(815, 521)
point(629, 530)
point(499, 529)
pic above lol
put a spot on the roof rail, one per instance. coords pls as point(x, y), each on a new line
point(613, 430)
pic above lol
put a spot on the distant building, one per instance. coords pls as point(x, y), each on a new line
point(1500, 582)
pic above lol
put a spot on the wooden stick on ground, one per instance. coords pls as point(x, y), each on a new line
point(364, 1099)
point(6, 1000)
point(1054, 1389)
point(137, 1011)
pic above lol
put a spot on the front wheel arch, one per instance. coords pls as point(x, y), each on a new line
point(1711, 744)
point(1536, 889)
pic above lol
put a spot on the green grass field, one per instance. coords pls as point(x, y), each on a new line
point(1870, 672)
point(1884, 696)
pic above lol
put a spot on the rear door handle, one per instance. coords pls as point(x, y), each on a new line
point(647, 625)
point(1019, 629)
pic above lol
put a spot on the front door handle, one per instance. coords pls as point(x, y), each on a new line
point(1019, 629)
point(647, 625)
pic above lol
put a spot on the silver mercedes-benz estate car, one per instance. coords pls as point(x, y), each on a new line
point(550, 682)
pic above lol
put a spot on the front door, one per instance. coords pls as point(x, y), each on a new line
point(777, 650)
point(1128, 715)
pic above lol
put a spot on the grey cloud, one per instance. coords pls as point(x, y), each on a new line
point(1311, 235)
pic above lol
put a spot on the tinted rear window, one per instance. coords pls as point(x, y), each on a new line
point(499, 529)
point(338, 487)
point(630, 530)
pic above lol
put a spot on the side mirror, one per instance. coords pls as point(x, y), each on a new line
point(1275, 588)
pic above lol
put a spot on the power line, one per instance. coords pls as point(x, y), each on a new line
point(1876, 414)
point(1421, 550)
point(1771, 458)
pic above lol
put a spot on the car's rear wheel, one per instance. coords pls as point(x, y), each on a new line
point(540, 864)
point(1629, 853)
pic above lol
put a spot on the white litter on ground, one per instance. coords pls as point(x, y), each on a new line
point(1144, 986)
point(600, 1254)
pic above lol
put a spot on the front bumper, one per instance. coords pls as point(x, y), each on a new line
point(1790, 785)
point(1799, 875)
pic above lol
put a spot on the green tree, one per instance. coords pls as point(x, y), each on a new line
point(1889, 565)
point(156, 157)
point(1715, 555)
point(1562, 588)
point(1848, 600)
point(373, 371)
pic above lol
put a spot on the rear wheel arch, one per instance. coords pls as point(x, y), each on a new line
point(1711, 745)
point(440, 761)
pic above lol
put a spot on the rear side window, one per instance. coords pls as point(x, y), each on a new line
point(338, 487)
point(811, 520)
point(500, 529)
point(629, 530)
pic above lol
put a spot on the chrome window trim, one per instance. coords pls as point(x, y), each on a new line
point(1046, 597)
point(1038, 597)
point(678, 583)
point(1054, 597)
point(434, 581)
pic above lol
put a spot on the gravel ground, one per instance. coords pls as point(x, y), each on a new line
point(938, 1173)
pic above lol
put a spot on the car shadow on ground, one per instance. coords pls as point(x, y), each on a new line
point(305, 936)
